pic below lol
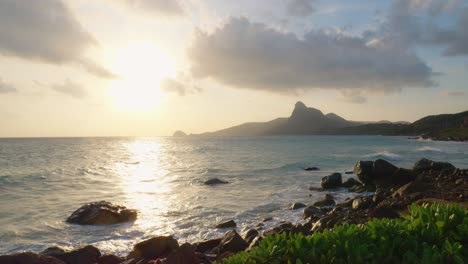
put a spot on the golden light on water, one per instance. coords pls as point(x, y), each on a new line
point(141, 68)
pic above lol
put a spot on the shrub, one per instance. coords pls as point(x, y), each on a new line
point(428, 234)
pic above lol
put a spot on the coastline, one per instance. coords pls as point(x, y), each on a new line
point(427, 182)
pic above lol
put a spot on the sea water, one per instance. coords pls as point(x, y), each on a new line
point(43, 180)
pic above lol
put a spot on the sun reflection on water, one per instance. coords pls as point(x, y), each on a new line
point(143, 181)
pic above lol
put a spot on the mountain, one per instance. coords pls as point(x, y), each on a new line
point(303, 121)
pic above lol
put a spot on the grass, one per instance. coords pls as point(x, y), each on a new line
point(427, 234)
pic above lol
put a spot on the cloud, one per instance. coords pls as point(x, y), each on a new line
point(301, 8)
point(181, 86)
point(45, 31)
point(354, 97)
point(165, 7)
point(6, 87)
point(417, 22)
point(455, 93)
point(250, 55)
point(71, 89)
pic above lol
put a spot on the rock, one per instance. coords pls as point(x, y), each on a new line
point(379, 196)
point(426, 164)
point(328, 201)
point(361, 202)
point(102, 213)
point(332, 181)
point(363, 170)
point(413, 188)
point(311, 169)
point(215, 181)
point(85, 255)
point(182, 255)
point(207, 245)
point(296, 206)
point(255, 242)
point(349, 172)
point(232, 242)
point(153, 248)
point(266, 219)
point(402, 176)
point(226, 224)
point(110, 259)
point(384, 212)
point(179, 133)
point(350, 183)
point(382, 172)
point(249, 235)
point(312, 212)
point(29, 258)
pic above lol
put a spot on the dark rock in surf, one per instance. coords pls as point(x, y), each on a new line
point(153, 248)
point(226, 224)
point(85, 255)
point(328, 201)
point(207, 245)
point(29, 258)
point(110, 259)
point(102, 213)
point(312, 212)
point(249, 235)
point(215, 181)
point(182, 255)
point(363, 170)
point(296, 206)
point(332, 181)
point(350, 183)
point(232, 242)
point(311, 169)
point(426, 164)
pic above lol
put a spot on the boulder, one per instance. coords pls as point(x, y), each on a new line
point(382, 172)
point(232, 242)
point(226, 224)
point(266, 219)
point(102, 213)
point(110, 259)
point(426, 164)
point(312, 212)
point(361, 202)
point(255, 242)
point(413, 189)
point(206, 245)
point(350, 183)
point(249, 235)
point(402, 176)
point(328, 201)
point(182, 255)
point(311, 169)
point(153, 248)
point(332, 181)
point(296, 206)
point(363, 170)
point(384, 212)
point(85, 255)
point(215, 181)
point(29, 258)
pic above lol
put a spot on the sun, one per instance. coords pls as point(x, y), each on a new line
point(141, 68)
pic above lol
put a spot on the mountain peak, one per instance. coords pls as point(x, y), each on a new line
point(300, 105)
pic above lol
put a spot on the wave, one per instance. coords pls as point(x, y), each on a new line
point(427, 148)
point(385, 155)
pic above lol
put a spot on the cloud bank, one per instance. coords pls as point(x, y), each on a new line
point(45, 31)
point(301, 8)
point(250, 55)
point(72, 89)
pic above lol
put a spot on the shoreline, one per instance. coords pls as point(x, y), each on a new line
point(393, 190)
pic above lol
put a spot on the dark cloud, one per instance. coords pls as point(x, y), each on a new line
point(415, 22)
point(253, 56)
point(300, 8)
point(46, 31)
point(6, 87)
point(165, 7)
point(71, 89)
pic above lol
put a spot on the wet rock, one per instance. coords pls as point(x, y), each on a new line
point(85, 255)
point(349, 172)
point(232, 242)
point(332, 181)
point(426, 164)
point(296, 206)
point(215, 181)
point(182, 255)
point(110, 259)
point(312, 212)
point(207, 245)
point(382, 172)
point(266, 219)
point(328, 201)
point(350, 183)
point(29, 258)
point(102, 213)
point(153, 248)
point(226, 224)
point(311, 169)
point(249, 235)
point(363, 170)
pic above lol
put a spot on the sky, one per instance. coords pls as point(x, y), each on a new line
point(151, 67)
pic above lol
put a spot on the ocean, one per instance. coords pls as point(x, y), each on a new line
point(43, 180)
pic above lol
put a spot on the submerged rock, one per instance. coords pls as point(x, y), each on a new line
point(102, 213)
point(332, 181)
point(153, 248)
point(311, 169)
point(226, 224)
point(215, 181)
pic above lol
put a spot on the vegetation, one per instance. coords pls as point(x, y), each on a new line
point(428, 234)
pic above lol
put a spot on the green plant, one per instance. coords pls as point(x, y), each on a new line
point(428, 234)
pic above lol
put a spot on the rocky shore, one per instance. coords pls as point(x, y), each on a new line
point(390, 190)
